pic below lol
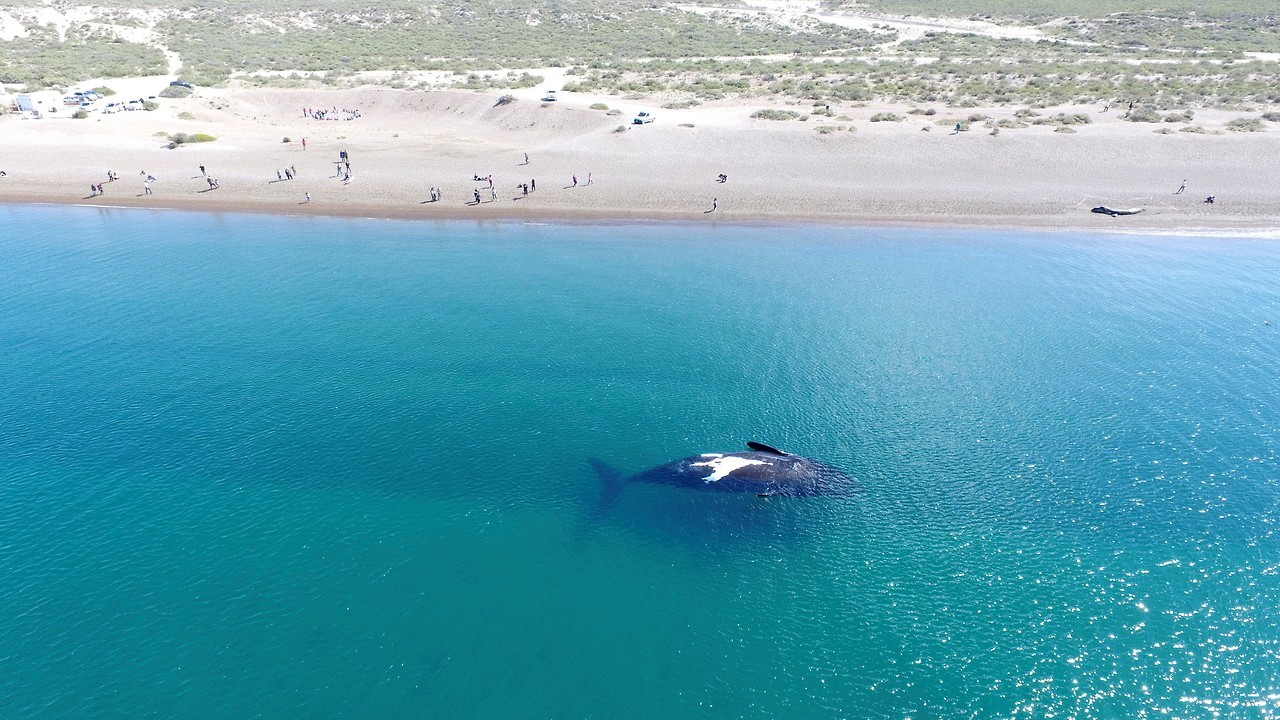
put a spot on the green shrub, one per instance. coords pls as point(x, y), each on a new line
point(599, 106)
point(104, 91)
point(186, 116)
point(1193, 129)
point(887, 117)
point(771, 114)
point(614, 111)
point(174, 91)
point(1143, 114)
point(1064, 129)
point(505, 100)
point(620, 129)
point(1246, 125)
point(80, 114)
point(686, 124)
point(149, 106)
point(682, 104)
point(825, 129)
point(1272, 116)
point(176, 139)
point(286, 140)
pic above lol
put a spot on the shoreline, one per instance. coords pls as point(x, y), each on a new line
point(1247, 228)
point(587, 168)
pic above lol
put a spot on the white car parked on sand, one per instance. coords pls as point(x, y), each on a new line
point(643, 118)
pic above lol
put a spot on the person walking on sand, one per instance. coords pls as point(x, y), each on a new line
point(589, 178)
point(526, 158)
point(304, 143)
point(202, 171)
point(1181, 188)
point(575, 180)
point(715, 202)
point(493, 195)
point(308, 197)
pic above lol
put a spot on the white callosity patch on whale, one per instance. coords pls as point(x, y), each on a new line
point(722, 466)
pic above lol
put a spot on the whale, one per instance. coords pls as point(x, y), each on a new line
point(762, 470)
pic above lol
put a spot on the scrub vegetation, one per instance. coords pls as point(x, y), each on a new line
point(1187, 54)
point(43, 59)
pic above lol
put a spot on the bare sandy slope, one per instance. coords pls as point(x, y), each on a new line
point(407, 142)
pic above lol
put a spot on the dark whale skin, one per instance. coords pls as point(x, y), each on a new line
point(764, 471)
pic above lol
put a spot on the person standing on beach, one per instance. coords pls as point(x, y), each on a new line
point(202, 171)
point(575, 180)
point(1181, 188)
point(526, 158)
point(493, 195)
point(533, 184)
point(308, 197)
point(304, 143)
point(589, 178)
point(715, 202)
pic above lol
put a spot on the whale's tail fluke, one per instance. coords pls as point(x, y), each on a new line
point(612, 483)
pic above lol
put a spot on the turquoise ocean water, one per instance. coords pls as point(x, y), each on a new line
point(280, 467)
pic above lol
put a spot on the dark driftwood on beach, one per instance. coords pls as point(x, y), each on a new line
point(1104, 210)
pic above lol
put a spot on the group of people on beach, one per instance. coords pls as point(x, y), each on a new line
point(332, 114)
point(476, 196)
point(96, 190)
point(286, 174)
point(343, 170)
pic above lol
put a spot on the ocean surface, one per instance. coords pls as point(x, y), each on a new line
point(296, 468)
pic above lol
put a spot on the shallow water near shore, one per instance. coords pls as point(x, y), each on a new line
point(282, 467)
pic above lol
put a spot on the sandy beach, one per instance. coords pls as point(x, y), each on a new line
point(406, 142)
